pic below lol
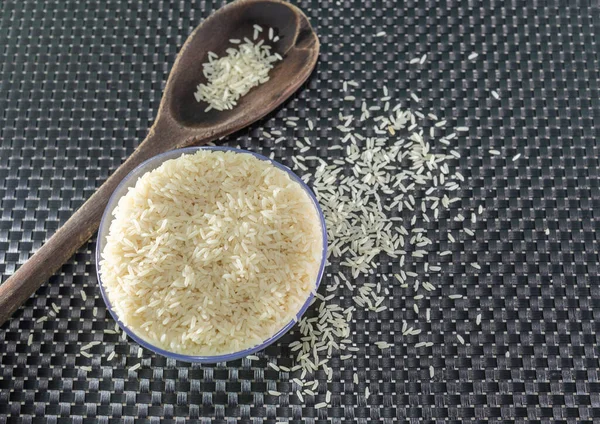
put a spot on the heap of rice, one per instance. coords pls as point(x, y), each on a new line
point(234, 75)
point(211, 253)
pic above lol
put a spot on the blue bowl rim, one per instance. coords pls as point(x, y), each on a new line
point(107, 218)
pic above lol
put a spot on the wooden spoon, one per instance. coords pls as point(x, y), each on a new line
point(181, 120)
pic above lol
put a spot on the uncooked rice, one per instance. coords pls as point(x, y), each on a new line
point(359, 194)
point(232, 76)
point(211, 253)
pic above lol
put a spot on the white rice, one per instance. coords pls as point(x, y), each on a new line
point(89, 345)
point(232, 76)
point(224, 251)
point(376, 175)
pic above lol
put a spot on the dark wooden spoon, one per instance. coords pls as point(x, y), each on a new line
point(181, 120)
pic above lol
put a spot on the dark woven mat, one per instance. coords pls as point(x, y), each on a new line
point(80, 84)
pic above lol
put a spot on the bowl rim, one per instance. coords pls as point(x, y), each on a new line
point(107, 219)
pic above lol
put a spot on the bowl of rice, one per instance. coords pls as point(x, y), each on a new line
point(209, 254)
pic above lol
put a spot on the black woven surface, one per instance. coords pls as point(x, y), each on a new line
point(80, 85)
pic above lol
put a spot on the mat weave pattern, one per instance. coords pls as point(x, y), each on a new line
point(80, 83)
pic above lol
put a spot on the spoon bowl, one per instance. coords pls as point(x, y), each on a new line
point(181, 120)
point(297, 44)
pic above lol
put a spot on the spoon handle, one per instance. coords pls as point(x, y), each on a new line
point(75, 232)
